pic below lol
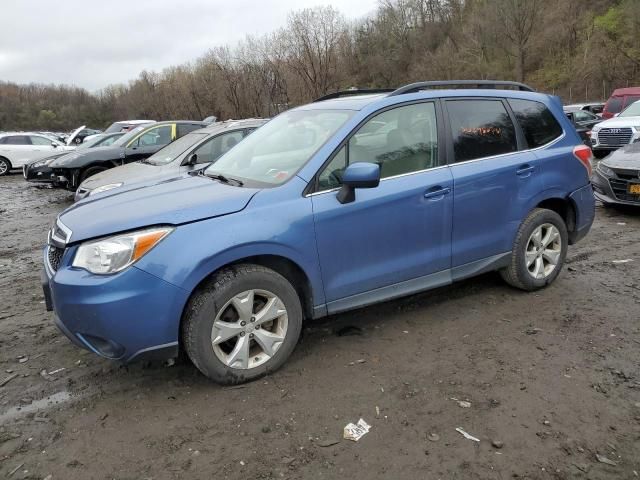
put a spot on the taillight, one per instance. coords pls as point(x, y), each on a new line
point(584, 154)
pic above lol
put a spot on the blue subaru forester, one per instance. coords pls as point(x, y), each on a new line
point(354, 199)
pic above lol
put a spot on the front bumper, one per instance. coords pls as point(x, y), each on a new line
point(125, 316)
point(614, 190)
point(38, 173)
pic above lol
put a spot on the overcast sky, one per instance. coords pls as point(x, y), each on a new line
point(94, 44)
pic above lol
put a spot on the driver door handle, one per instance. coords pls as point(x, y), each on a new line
point(436, 193)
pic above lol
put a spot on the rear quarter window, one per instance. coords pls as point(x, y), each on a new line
point(537, 122)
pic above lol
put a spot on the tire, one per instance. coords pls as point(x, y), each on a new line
point(5, 166)
point(536, 275)
point(217, 350)
point(89, 172)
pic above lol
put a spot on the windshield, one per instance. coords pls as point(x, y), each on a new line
point(275, 152)
point(127, 137)
point(172, 151)
point(632, 110)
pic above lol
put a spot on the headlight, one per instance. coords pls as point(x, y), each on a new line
point(604, 170)
point(104, 188)
point(114, 254)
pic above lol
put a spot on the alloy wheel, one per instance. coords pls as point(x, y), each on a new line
point(249, 329)
point(3, 167)
point(543, 251)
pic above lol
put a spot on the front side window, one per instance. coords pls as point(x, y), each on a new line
point(275, 152)
point(36, 140)
point(401, 140)
point(217, 146)
point(537, 122)
point(480, 128)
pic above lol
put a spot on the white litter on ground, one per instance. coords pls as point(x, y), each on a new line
point(466, 435)
point(357, 431)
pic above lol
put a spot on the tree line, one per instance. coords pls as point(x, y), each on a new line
point(576, 49)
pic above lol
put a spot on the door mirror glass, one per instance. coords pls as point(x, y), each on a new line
point(192, 160)
point(358, 175)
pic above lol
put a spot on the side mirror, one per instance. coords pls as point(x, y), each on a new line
point(54, 144)
point(358, 175)
point(192, 159)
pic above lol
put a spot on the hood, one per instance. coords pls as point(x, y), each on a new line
point(627, 157)
point(82, 157)
point(48, 159)
point(130, 173)
point(182, 200)
point(74, 134)
point(618, 122)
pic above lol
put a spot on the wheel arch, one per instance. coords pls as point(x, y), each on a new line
point(281, 264)
point(2, 157)
point(563, 207)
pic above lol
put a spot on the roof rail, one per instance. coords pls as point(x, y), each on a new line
point(352, 92)
point(490, 84)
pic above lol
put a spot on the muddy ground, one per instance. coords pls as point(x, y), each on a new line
point(553, 379)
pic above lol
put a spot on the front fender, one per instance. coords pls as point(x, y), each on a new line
point(195, 250)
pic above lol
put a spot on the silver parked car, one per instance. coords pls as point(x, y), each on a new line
point(194, 151)
point(20, 148)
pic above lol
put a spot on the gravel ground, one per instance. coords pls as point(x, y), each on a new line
point(552, 380)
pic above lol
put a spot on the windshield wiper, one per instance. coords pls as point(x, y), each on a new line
point(222, 178)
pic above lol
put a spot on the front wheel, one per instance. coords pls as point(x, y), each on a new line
point(242, 324)
point(538, 252)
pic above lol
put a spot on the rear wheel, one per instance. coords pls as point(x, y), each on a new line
point(242, 324)
point(5, 166)
point(538, 252)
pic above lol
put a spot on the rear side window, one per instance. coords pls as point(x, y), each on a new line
point(480, 128)
point(17, 140)
point(537, 122)
point(184, 128)
point(614, 105)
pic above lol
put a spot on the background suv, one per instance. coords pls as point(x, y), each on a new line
point(616, 132)
point(21, 148)
point(620, 99)
point(331, 206)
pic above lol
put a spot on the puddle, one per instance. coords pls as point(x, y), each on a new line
point(36, 406)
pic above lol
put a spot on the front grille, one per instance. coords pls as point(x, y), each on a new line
point(54, 256)
point(621, 192)
point(627, 174)
point(615, 137)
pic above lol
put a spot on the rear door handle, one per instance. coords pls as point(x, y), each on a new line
point(525, 170)
point(436, 193)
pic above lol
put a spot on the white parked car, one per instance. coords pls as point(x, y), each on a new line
point(19, 148)
point(616, 132)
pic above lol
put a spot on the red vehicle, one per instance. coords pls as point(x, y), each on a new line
point(619, 100)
